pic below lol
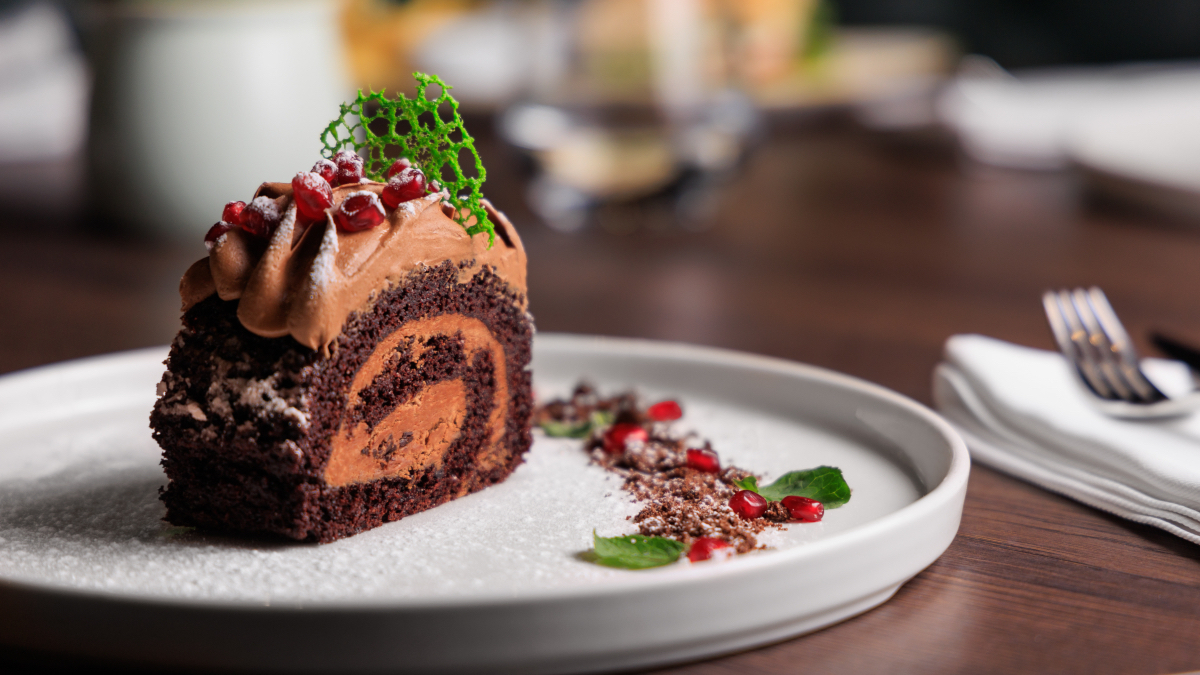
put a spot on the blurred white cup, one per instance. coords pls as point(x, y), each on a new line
point(198, 102)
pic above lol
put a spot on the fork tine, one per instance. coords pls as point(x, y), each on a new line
point(1121, 346)
point(1106, 358)
point(1070, 336)
point(1091, 356)
point(1058, 324)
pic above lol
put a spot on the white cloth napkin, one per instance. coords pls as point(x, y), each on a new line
point(1021, 411)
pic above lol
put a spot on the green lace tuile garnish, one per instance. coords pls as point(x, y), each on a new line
point(428, 142)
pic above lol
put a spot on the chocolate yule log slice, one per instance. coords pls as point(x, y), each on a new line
point(329, 379)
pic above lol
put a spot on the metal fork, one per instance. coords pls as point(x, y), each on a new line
point(1095, 343)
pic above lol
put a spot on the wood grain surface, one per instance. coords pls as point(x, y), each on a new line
point(835, 247)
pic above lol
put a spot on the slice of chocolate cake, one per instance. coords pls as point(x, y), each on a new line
point(301, 400)
point(337, 373)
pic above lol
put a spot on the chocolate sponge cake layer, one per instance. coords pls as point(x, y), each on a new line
point(423, 398)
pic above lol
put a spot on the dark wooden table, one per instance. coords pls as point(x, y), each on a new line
point(835, 247)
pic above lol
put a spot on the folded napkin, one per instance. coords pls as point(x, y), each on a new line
point(1022, 412)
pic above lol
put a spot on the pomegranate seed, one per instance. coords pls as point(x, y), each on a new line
point(349, 167)
point(705, 548)
point(616, 438)
point(216, 232)
point(406, 185)
point(232, 213)
point(664, 411)
point(398, 166)
point(360, 211)
point(804, 509)
point(326, 169)
point(313, 195)
point(704, 460)
point(747, 504)
point(260, 217)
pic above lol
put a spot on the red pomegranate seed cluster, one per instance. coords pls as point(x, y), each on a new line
point(689, 495)
point(312, 192)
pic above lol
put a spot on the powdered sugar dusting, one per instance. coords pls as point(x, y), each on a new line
point(265, 397)
point(288, 222)
point(99, 527)
point(209, 245)
point(266, 206)
point(407, 209)
point(322, 272)
point(262, 394)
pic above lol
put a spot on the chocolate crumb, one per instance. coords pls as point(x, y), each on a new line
point(682, 503)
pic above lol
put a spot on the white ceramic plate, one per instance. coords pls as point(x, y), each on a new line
point(490, 582)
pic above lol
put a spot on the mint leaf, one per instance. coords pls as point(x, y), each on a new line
point(566, 429)
point(597, 420)
point(602, 418)
point(635, 551)
point(748, 483)
point(824, 484)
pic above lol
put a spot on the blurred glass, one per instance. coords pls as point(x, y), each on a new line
point(197, 102)
point(43, 85)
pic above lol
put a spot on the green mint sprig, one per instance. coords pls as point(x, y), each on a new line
point(597, 420)
point(635, 551)
point(824, 484)
point(414, 128)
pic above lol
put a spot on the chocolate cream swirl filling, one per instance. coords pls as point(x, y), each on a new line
point(306, 279)
point(402, 440)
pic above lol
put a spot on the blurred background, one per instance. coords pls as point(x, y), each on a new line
point(844, 182)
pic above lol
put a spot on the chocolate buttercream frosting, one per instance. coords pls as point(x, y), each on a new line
point(305, 281)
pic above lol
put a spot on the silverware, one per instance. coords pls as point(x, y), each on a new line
point(1103, 359)
point(1174, 349)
